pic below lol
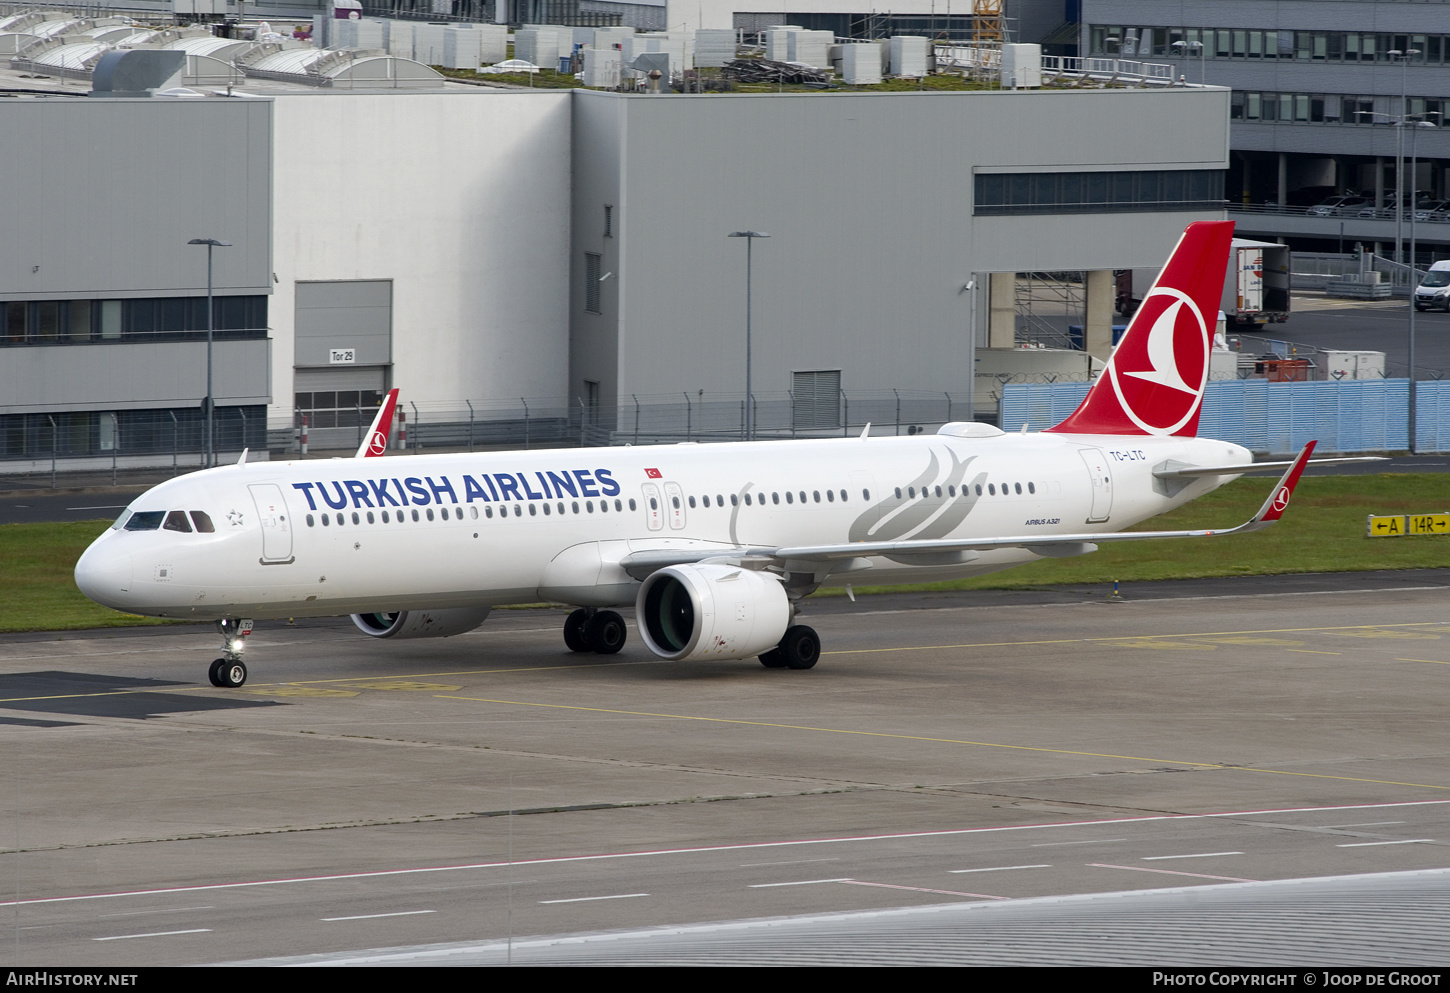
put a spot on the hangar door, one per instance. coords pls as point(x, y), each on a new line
point(343, 353)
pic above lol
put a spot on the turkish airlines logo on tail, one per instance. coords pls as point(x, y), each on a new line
point(1281, 499)
point(377, 444)
point(1159, 378)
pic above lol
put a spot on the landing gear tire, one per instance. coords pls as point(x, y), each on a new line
point(228, 673)
point(801, 647)
point(606, 632)
point(574, 631)
point(773, 659)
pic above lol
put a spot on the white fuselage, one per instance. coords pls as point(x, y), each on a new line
point(507, 527)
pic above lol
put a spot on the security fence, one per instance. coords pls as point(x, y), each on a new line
point(1352, 415)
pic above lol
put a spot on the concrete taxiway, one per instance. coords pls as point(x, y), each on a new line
point(356, 794)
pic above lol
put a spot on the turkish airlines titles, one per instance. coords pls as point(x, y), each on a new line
point(490, 487)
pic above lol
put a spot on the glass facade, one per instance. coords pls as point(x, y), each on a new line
point(56, 322)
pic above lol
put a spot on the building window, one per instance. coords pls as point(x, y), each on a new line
point(609, 220)
point(593, 273)
point(815, 399)
point(1098, 192)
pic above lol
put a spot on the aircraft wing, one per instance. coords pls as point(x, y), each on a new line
point(1052, 545)
point(376, 442)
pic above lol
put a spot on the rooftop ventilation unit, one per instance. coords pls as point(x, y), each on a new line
point(137, 73)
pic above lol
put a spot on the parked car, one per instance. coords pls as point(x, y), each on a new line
point(1339, 206)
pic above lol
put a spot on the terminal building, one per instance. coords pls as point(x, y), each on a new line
point(1326, 98)
point(479, 245)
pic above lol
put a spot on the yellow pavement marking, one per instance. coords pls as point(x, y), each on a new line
point(941, 741)
point(1311, 651)
point(1139, 637)
point(1179, 646)
point(383, 684)
point(286, 690)
point(1270, 642)
point(1436, 661)
point(1377, 633)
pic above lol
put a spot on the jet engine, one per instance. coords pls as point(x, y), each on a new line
point(708, 611)
point(421, 623)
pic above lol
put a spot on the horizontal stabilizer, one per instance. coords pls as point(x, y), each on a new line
point(1179, 472)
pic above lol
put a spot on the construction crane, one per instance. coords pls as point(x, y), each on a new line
point(987, 21)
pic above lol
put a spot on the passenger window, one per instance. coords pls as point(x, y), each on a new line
point(176, 521)
point(589, 506)
point(898, 492)
point(429, 513)
point(911, 492)
point(991, 489)
point(533, 510)
point(415, 514)
point(310, 521)
point(938, 491)
point(734, 500)
point(575, 505)
point(355, 518)
point(747, 499)
point(865, 494)
point(979, 489)
point(1031, 488)
point(618, 507)
point(546, 510)
point(675, 502)
point(473, 512)
point(789, 498)
point(692, 502)
point(775, 498)
point(803, 496)
point(652, 504)
point(488, 512)
point(518, 510)
point(1018, 488)
point(325, 521)
point(370, 517)
point(202, 521)
point(816, 494)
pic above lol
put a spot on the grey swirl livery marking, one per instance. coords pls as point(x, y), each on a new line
point(923, 517)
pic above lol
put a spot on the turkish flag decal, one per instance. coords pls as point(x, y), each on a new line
point(653, 474)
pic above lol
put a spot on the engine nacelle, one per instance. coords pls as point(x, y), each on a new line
point(421, 623)
point(688, 612)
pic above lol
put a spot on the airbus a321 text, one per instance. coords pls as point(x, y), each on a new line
point(714, 545)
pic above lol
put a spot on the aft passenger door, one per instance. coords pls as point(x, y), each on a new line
point(1101, 475)
point(276, 528)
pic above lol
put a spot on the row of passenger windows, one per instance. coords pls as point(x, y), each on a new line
point(952, 490)
point(457, 512)
point(175, 520)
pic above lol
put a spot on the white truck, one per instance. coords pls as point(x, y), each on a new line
point(1255, 286)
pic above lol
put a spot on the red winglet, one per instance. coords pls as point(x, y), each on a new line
point(376, 443)
point(1273, 507)
point(1156, 376)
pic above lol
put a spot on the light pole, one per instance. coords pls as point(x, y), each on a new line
point(1404, 60)
point(210, 244)
point(1184, 47)
point(749, 237)
point(1414, 271)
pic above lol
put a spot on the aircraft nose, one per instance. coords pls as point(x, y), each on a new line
point(103, 573)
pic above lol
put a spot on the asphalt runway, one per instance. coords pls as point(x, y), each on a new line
point(356, 794)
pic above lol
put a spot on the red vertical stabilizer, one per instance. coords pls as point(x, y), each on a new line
point(1154, 382)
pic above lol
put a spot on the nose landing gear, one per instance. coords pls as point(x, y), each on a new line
point(229, 670)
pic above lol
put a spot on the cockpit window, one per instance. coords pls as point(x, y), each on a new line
point(145, 520)
point(203, 521)
point(176, 521)
point(121, 521)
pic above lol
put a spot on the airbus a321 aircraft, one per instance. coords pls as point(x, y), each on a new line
point(715, 545)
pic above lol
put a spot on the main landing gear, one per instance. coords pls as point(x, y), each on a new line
point(591, 630)
point(229, 670)
point(799, 649)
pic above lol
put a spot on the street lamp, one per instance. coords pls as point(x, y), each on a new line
point(210, 244)
point(749, 237)
point(1404, 59)
point(1414, 270)
point(1185, 47)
